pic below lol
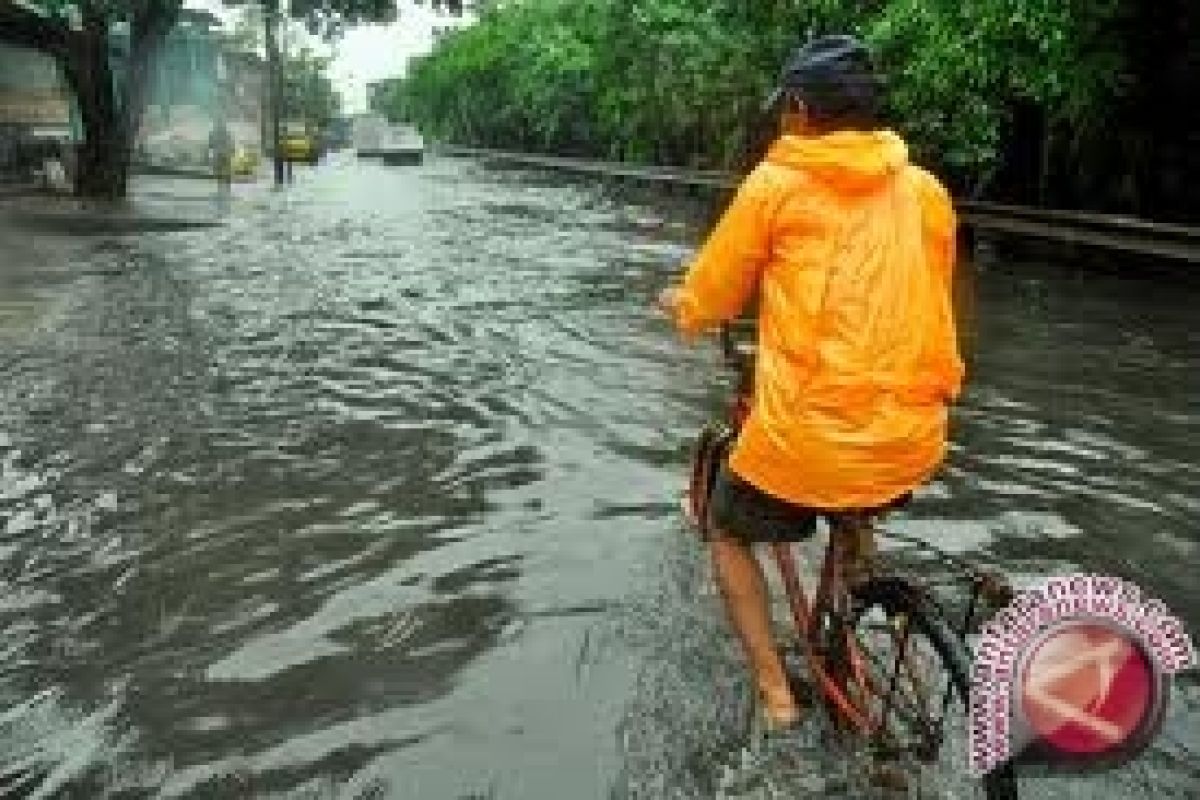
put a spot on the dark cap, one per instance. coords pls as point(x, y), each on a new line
point(833, 76)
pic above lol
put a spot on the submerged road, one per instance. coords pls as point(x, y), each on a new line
point(370, 492)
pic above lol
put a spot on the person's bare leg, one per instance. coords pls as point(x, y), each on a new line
point(744, 588)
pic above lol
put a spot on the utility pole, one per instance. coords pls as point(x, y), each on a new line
point(271, 12)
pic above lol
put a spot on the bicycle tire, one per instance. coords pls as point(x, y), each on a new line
point(897, 596)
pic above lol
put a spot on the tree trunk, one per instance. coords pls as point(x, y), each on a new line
point(271, 10)
point(1045, 162)
point(102, 167)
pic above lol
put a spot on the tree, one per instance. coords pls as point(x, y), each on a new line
point(248, 34)
point(79, 37)
point(454, 7)
point(976, 87)
point(308, 92)
point(105, 50)
point(388, 98)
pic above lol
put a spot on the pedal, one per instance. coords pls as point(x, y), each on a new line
point(890, 777)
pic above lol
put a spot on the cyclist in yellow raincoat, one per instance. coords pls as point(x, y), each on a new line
point(849, 249)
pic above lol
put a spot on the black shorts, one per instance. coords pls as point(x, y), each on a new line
point(745, 512)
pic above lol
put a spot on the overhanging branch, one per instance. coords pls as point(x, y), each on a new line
point(22, 26)
point(150, 20)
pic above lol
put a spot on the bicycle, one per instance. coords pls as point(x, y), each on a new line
point(887, 664)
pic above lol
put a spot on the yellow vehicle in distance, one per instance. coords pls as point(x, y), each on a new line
point(244, 163)
point(297, 143)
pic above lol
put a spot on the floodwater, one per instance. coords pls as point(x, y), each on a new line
point(370, 493)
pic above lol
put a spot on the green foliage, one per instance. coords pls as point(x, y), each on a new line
point(957, 70)
point(308, 92)
point(679, 81)
point(330, 18)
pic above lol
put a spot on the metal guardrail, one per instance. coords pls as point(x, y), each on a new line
point(609, 169)
point(1104, 231)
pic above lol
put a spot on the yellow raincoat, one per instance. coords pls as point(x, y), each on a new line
point(851, 251)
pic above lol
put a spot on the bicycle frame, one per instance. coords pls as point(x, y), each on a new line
point(837, 667)
point(838, 676)
point(863, 683)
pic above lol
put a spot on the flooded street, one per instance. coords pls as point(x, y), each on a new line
point(371, 493)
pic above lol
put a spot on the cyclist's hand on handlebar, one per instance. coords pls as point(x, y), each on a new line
point(669, 299)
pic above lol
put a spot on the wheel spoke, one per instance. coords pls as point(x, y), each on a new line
point(912, 702)
point(908, 673)
point(908, 700)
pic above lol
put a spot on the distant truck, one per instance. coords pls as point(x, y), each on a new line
point(368, 132)
point(337, 135)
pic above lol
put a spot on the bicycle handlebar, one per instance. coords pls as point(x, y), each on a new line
point(728, 347)
point(737, 357)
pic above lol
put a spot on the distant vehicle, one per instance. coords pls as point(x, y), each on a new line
point(368, 132)
point(298, 143)
point(337, 136)
point(245, 162)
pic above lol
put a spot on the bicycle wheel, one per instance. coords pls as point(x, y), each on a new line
point(910, 676)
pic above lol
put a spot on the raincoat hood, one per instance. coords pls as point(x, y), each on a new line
point(850, 161)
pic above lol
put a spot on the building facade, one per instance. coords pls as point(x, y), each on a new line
point(37, 113)
point(198, 80)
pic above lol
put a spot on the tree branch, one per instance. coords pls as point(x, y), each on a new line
point(154, 19)
point(19, 25)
